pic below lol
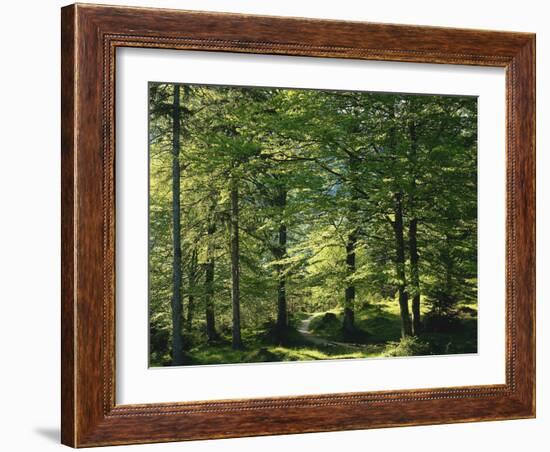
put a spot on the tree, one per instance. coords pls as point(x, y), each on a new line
point(177, 338)
point(406, 328)
point(235, 271)
point(268, 205)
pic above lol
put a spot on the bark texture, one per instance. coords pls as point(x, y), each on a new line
point(177, 337)
point(413, 228)
point(349, 311)
point(209, 268)
point(282, 310)
point(406, 328)
point(235, 290)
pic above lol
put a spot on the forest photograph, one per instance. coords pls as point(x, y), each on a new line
point(294, 224)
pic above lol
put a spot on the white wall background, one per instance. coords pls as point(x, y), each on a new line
point(29, 225)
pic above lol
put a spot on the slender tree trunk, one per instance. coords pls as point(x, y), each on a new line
point(280, 253)
point(349, 295)
point(282, 310)
point(190, 309)
point(413, 227)
point(349, 311)
point(193, 264)
point(209, 292)
point(177, 337)
point(235, 277)
point(406, 329)
point(447, 259)
point(415, 280)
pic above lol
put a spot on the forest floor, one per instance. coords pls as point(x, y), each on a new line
point(304, 330)
point(319, 336)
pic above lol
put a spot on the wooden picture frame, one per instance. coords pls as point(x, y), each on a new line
point(90, 36)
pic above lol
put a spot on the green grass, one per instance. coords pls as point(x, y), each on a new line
point(218, 355)
point(378, 335)
point(381, 324)
point(258, 347)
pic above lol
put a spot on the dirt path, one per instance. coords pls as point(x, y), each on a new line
point(303, 329)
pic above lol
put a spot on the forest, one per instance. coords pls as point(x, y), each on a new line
point(296, 224)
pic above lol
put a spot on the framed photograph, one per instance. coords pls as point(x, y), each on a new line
point(280, 225)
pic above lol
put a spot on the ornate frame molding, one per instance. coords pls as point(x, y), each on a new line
point(90, 36)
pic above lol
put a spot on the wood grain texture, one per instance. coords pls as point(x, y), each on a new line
point(90, 36)
point(67, 226)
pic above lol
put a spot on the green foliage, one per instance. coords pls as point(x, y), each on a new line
point(319, 174)
point(409, 346)
point(329, 325)
point(381, 320)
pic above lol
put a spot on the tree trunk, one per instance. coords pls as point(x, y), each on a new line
point(193, 264)
point(177, 337)
point(415, 280)
point(282, 310)
point(406, 329)
point(349, 295)
point(413, 226)
point(235, 291)
point(448, 263)
point(209, 268)
point(349, 311)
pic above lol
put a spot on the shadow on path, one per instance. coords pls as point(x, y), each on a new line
point(303, 329)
